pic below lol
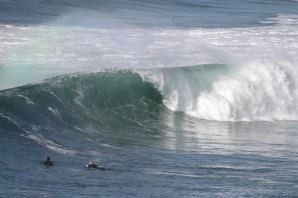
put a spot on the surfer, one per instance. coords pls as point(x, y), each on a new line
point(92, 166)
point(48, 162)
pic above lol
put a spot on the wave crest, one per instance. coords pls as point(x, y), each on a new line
point(254, 91)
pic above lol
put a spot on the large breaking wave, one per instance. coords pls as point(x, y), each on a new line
point(258, 91)
point(225, 74)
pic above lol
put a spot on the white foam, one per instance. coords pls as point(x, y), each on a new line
point(282, 20)
point(253, 91)
point(28, 100)
point(178, 174)
point(55, 111)
point(80, 96)
point(56, 97)
point(52, 50)
point(258, 91)
point(9, 119)
point(268, 53)
point(50, 144)
point(261, 85)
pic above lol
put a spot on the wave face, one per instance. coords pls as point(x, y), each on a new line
point(105, 99)
point(119, 107)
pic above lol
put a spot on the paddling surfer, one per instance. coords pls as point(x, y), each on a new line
point(92, 166)
point(48, 162)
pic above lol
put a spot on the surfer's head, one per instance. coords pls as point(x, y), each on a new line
point(90, 162)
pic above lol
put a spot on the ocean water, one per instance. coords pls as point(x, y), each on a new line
point(174, 98)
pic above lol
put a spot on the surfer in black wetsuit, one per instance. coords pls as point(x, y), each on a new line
point(48, 162)
point(92, 166)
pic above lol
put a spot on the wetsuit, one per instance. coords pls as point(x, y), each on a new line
point(48, 163)
point(94, 166)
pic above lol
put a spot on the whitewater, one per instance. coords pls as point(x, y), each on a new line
point(260, 60)
point(174, 98)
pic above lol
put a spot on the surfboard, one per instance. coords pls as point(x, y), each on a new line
point(95, 168)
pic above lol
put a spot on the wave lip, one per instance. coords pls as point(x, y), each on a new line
point(250, 92)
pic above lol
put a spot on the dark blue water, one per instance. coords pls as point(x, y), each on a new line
point(209, 130)
point(152, 13)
